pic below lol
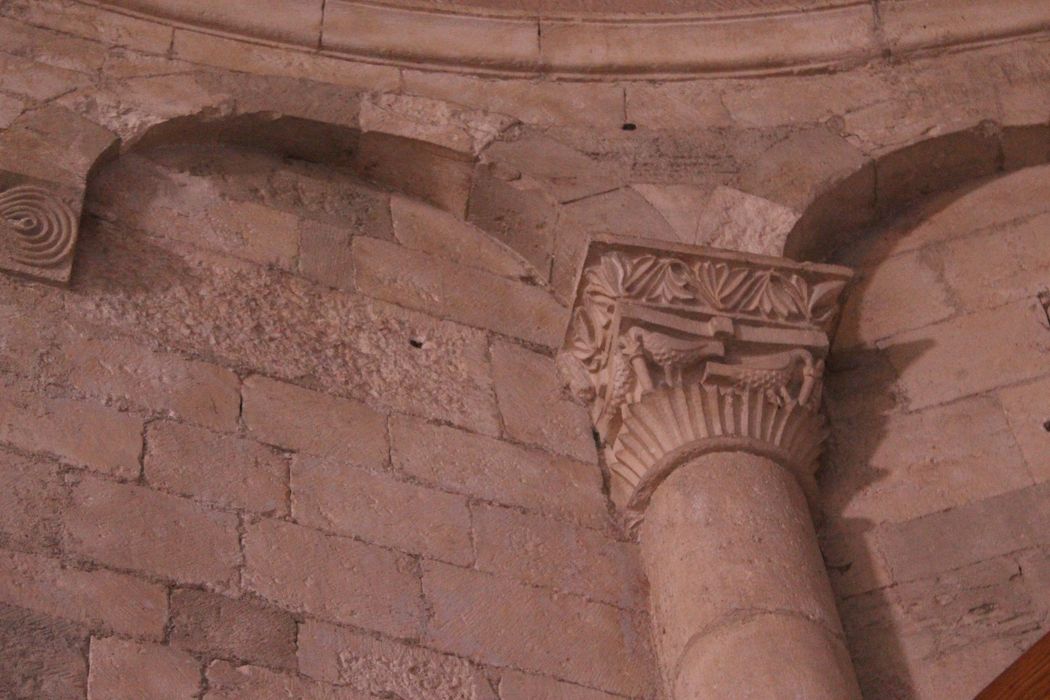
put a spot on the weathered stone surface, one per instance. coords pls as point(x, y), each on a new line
point(567, 173)
point(966, 534)
point(10, 109)
point(467, 295)
point(41, 657)
point(370, 665)
point(131, 527)
point(77, 432)
point(516, 213)
point(32, 499)
point(433, 121)
point(296, 418)
point(1028, 414)
point(737, 220)
point(533, 405)
point(943, 362)
point(227, 681)
point(221, 469)
point(425, 228)
point(855, 563)
point(126, 670)
point(520, 686)
point(505, 623)
point(332, 496)
point(542, 552)
point(493, 470)
point(682, 206)
point(900, 466)
point(99, 599)
point(207, 623)
point(324, 254)
point(332, 577)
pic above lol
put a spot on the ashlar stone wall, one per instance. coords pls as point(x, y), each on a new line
point(935, 487)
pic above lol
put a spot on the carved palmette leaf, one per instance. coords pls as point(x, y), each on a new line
point(720, 285)
point(587, 335)
point(660, 280)
point(823, 299)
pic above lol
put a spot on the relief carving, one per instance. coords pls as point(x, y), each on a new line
point(682, 349)
point(38, 230)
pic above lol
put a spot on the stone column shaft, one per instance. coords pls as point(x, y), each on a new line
point(703, 369)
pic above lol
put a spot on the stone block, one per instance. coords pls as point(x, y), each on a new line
point(740, 221)
point(131, 527)
point(504, 623)
point(441, 123)
point(32, 499)
point(333, 578)
point(230, 471)
point(93, 23)
point(565, 172)
point(296, 22)
point(324, 254)
point(517, 213)
point(258, 233)
point(970, 354)
point(10, 109)
point(129, 670)
point(1028, 412)
point(467, 295)
point(677, 105)
point(493, 470)
point(533, 404)
point(309, 421)
point(969, 533)
point(42, 657)
point(227, 681)
point(854, 562)
point(902, 293)
point(900, 466)
point(514, 685)
point(543, 552)
point(127, 373)
point(430, 230)
point(386, 668)
point(377, 508)
point(98, 599)
point(77, 432)
point(681, 206)
point(214, 625)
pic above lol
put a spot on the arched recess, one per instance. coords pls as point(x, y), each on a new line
point(935, 391)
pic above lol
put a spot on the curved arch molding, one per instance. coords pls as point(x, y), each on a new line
point(748, 37)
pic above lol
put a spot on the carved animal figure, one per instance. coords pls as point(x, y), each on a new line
point(672, 354)
point(771, 374)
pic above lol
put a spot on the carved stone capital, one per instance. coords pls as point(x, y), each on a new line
point(683, 350)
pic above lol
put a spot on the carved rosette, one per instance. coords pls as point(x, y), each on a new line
point(681, 350)
point(38, 227)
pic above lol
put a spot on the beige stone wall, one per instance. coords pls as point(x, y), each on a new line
point(294, 428)
point(935, 486)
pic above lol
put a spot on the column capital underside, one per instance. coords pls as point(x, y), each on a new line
point(685, 350)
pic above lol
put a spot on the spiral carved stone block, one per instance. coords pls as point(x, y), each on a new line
point(38, 228)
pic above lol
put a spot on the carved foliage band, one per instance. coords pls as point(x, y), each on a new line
point(40, 227)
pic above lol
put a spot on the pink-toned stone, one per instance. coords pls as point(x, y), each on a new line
point(222, 469)
point(227, 681)
point(464, 294)
point(211, 624)
point(514, 685)
point(566, 172)
point(32, 499)
point(259, 233)
point(346, 500)
point(102, 600)
point(127, 670)
point(77, 432)
point(1029, 415)
point(324, 254)
point(132, 527)
point(517, 213)
point(384, 668)
point(681, 206)
point(42, 657)
point(309, 421)
point(455, 460)
point(334, 578)
point(737, 220)
point(542, 552)
point(498, 621)
point(533, 404)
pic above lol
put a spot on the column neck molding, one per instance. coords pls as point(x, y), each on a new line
point(684, 350)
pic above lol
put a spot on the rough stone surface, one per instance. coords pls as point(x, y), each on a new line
point(376, 508)
point(369, 665)
point(207, 623)
point(1028, 414)
point(521, 686)
point(32, 499)
point(126, 670)
point(41, 657)
point(220, 469)
point(227, 681)
point(333, 578)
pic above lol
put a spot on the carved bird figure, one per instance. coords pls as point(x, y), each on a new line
point(672, 354)
point(771, 374)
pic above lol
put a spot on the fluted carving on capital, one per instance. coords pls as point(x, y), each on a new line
point(681, 350)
